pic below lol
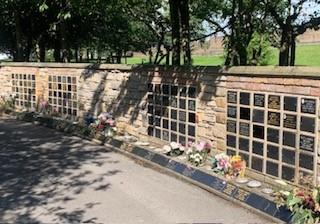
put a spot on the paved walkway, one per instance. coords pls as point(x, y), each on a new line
point(46, 177)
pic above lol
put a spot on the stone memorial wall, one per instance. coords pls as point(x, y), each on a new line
point(267, 115)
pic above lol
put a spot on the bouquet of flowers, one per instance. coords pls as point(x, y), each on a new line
point(198, 153)
point(304, 204)
point(43, 106)
point(221, 164)
point(238, 166)
point(176, 149)
point(228, 166)
point(106, 124)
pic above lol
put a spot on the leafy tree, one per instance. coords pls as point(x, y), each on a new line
point(259, 49)
point(180, 18)
point(20, 24)
point(31, 28)
point(292, 18)
point(150, 18)
point(236, 20)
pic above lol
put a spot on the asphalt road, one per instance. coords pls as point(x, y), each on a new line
point(46, 177)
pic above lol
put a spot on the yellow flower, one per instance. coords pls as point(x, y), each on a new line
point(235, 159)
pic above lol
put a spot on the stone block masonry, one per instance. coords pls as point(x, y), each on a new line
point(123, 90)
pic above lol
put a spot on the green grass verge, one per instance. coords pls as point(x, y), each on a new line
point(307, 55)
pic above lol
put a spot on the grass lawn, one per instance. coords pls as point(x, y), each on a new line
point(208, 60)
point(307, 55)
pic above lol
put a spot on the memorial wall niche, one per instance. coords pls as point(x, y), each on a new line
point(275, 133)
point(24, 90)
point(63, 95)
point(172, 112)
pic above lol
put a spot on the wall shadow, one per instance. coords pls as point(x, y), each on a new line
point(131, 98)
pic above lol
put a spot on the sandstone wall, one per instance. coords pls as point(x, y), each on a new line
point(123, 90)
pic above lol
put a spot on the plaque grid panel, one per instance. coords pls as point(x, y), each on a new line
point(172, 112)
point(272, 148)
point(24, 90)
point(63, 94)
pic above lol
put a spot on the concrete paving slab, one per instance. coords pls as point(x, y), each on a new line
point(47, 177)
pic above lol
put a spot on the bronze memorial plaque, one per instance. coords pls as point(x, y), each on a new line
point(274, 118)
point(275, 133)
point(274, 102)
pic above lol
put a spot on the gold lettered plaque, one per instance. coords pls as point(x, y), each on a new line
point(274, 102)
point(274, 118)
point(229, 189)
point(241, 195)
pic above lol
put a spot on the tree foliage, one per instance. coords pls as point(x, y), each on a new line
point(163, 29)
point(292, 18)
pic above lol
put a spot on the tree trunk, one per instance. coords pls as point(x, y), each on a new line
point(230, 43)
point(151, 56)
point(235, 58)
point(88, 54)
point(18, 56)
point(80, 55)
point(64, 49)
point(76, 53)
point(160, 44)
point(42, 53)
point(119, 54)
point(185, 28)
point(41, 49)
point(284, 49)
point(91, 55)
point(28, 49)
point(167, 55)
point(63, 36)
point(243, 55)
point(283, 56)
point(57, 51)
point(293, 51)
point(99, 57)
point(175, 26)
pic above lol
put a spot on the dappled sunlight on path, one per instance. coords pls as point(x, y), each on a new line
point(40, 168)
point(47, 177)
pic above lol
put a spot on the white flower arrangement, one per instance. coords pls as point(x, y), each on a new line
point(198, 153)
